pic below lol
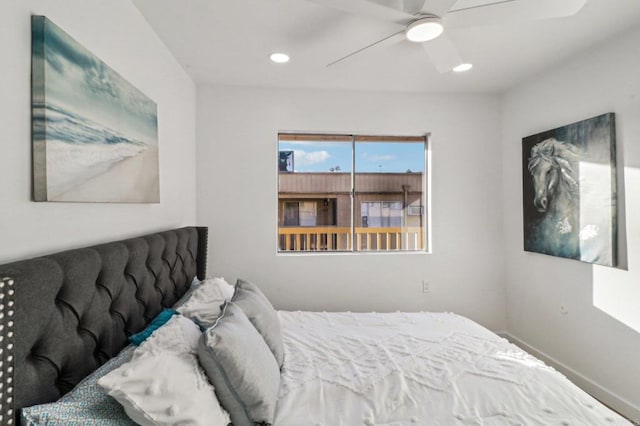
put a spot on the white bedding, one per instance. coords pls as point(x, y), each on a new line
point(419, 369)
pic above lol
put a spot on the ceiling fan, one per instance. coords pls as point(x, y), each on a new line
point(429, 21)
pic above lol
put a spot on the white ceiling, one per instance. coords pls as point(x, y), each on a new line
point(229, 42)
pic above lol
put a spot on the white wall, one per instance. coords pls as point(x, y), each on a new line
point(599, 338)
point(117, 33)
point(237, 198)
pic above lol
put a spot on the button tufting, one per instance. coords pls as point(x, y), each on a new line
point(166, 273)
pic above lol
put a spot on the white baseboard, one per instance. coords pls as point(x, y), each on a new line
point(599, 392)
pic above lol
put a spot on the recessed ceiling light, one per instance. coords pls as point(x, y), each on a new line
point(424, 29)
point(279, 58)
point(463, 67)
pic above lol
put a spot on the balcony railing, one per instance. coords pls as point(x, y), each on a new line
point(331, 238)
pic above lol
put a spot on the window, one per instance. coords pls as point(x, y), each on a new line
point(343, 193)
point(382, 214)
point(300, 213)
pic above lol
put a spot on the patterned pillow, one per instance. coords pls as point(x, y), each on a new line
point(87, 404)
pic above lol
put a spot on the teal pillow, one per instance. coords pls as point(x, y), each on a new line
point(241, 368)
point(157, 322)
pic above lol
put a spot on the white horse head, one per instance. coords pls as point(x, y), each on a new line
point(553, 169)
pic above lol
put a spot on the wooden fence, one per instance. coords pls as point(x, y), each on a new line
point(331, 238)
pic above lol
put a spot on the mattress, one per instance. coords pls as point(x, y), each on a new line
point(419, 369)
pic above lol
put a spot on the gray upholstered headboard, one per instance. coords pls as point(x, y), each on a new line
point(64, 315)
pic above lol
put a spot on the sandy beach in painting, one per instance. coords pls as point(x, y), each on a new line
point(95, 135)
point(132, 180)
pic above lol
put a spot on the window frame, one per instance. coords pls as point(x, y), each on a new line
point(353, 138)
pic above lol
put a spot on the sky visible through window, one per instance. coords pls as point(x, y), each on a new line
point(381, 157)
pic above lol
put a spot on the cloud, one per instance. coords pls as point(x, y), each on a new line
point(304, 158)
point(376, 158)
point(101, 83)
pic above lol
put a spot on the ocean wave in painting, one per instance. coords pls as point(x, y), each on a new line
point(77, 148)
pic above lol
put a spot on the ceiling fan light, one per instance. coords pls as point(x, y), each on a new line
point(279, 58)
point(424, 29)
point(463, 67)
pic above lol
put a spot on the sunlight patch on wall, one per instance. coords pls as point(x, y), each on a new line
point(617, 291)
point(597, 228)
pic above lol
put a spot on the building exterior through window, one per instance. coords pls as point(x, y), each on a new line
point(351, 193)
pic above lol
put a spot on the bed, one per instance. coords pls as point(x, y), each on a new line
point(63, 316)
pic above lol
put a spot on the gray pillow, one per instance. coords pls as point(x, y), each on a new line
point(260, 312)
point(241, 368)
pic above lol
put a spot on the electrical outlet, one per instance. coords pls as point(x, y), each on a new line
point(426, 286)
point(564, 309)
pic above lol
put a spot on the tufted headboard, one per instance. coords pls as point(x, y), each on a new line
point(64, 315)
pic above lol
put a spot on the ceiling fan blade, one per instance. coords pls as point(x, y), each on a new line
point(412, 6)
point(443, 53)
point(392, 38)
point(390, 12)
point(508, 11)
point(436, 7)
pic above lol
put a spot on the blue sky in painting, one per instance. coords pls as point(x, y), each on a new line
point(383, 157)
point(80, 83)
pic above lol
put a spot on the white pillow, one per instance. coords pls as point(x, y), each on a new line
point(227, 289)
point(163, 384)
point(203, 305)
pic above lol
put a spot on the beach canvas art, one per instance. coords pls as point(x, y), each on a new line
point(95, 136)
point(569, 188)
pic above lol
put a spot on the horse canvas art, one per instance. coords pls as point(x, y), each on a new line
point(569, 191)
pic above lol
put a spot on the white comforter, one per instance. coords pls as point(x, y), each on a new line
point(419, 369)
